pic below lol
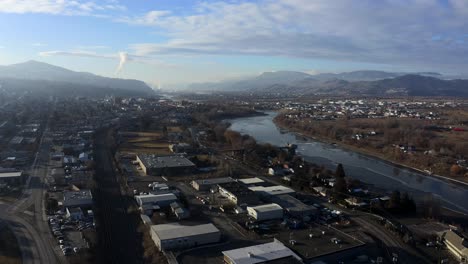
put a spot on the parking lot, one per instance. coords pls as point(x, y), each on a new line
point(68, 232)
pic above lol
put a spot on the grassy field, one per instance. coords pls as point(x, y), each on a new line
point(142, 134)
point(9, 249)
point(145, 142)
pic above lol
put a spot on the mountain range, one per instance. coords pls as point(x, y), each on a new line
point(34, 75)
point(365, 83)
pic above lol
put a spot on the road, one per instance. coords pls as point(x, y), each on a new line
point(117, 229)
point(26, 217)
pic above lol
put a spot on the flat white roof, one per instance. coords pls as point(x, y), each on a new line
point(273, 190)
point(260, 253)
point(150, 198)
point(175, 230)
point(266, 207)
point(251, 180)
point(10, 174)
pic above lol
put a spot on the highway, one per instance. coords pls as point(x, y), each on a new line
point(117, 229)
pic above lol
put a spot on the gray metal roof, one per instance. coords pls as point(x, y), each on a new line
point(155, 161)
point(260, 253)
point(266, 207)
point(214, 181)
point(175, 230)
point(77, 198)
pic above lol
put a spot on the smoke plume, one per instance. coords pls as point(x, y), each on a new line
point(123, 59)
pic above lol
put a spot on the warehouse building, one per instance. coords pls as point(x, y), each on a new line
point(11, 176)
point(265, 212)
point(272, 190)
point(150, 202)
point(293, 206)
point(175, 236)
point(155, 165)
point(274, 252)
point(456, 244)
point(238, 194)
point(252, 181)
point(82, 198)
point(207, 184)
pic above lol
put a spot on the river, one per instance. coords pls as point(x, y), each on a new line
point(370, 170)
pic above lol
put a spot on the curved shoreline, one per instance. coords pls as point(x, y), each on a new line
point(369, 155)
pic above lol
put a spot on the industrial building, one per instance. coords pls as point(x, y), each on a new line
point(456, 244)
point(82, 198)
point(265, 212)
point(293, 206)
point(179, 211)
point(207, 184)
point(273, 252)
point(252, 181)
point(11, 176)
point(176, 236)
point(155, 165)
point(150, 202)
point(272, 190)
point(238, 193)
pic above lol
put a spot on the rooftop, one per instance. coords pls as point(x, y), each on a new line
point(266, 207)
point(77, 198)
point(153, 198)
point(249, 181)
point(156, 161)
point(292, 204)
point(8, 173)
point(175, 230)
point(273, 190)
point(214, 181)
point(236, 189)
point(260, 253)
point(456, 241)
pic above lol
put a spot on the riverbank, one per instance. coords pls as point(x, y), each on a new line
point(367, 153)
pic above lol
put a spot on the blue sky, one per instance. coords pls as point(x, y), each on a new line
point(171, 42)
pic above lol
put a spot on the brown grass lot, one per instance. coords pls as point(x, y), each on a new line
point(9, 249)
point(142, 134)
point(174, 129)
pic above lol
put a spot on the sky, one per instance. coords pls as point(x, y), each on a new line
point(170, 42)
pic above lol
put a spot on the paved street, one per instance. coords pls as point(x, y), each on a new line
point(26, 217)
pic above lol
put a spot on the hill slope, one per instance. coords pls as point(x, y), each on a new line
point(29, 71)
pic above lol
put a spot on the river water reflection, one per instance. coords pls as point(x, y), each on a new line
point(370, 170)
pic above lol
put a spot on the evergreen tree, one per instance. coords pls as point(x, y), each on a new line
point(340, 173)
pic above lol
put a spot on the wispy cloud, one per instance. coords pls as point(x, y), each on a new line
point(39, 44)
point(150, 18)
point(59, 7)
point(121, 57)
point(387, 31)
point(93, 47)
point(77, 54)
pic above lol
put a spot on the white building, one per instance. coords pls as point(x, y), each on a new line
point(272, 190)
point(150, 202)
point(457, 245)
point(175, 236)
point(251, 181)
point(263, 253)
point(265, 212)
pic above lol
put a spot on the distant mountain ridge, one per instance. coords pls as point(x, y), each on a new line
point(61, 77)
point(370, 83)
